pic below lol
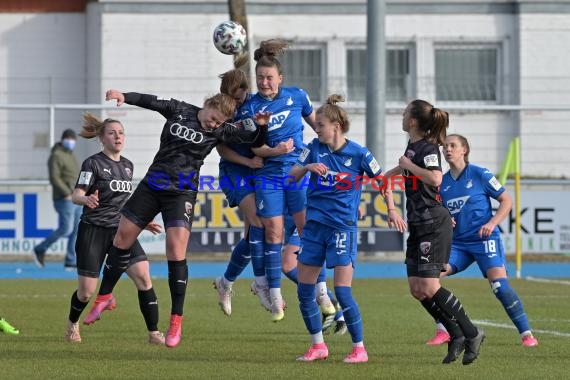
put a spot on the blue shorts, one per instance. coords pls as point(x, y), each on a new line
point(322, 243)
point(487, 253)
point(273, 194)
point(236, 181)
point(291, 235)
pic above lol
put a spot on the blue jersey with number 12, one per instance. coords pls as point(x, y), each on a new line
point(468, 200)
point(333, 199)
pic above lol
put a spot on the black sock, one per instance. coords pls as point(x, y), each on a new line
point(116, 264)
point(149, 308)
point(451, 306)
point(177, 280)
point(451, 325)
point(76, 308)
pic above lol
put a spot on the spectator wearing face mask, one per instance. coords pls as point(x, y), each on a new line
point(63, 171)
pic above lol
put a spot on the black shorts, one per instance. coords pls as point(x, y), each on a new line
point(177, 208)
point(93, 243)
point(429, 246)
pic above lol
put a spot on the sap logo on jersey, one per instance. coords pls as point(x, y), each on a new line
point(454, 205)
point(277, 120)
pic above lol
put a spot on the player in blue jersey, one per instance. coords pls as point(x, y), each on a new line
point(289, 106)
point(238, 164)
point(330, 235)
point(429, 242)
point(466, 190)
point(236, 176)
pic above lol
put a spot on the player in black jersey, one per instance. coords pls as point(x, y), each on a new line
point(171, 184)
point(430, 226)
point(103, 187)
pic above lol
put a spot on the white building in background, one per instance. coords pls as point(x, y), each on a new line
point(448, 52)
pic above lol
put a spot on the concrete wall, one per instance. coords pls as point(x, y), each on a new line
point(544, 59)
point(42, 60)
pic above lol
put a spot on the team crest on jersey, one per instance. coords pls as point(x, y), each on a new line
point(410, 154)
point(289, 101)
point(348, 162)
point(129, 172)
point(425, 247)
point(278, 120)
point(188, 208)
point(469, 184)
point(260, 205)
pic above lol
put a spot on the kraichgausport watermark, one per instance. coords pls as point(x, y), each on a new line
point(329, 181)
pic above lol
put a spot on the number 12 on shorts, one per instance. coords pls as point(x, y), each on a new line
point(340, 242)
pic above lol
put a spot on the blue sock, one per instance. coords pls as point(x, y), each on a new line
point(309, 308)
point(238, 261)
point(322, 275)
point(511, 302)
point(272, 262)
point(292, 275)
point(351, 312)
point(256, 239)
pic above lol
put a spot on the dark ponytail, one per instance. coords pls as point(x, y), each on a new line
point(432, 121)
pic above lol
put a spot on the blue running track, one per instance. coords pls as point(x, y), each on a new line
point(28, 270)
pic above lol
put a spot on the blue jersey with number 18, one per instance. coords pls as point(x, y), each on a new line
point(468, 200)
point(333, 199)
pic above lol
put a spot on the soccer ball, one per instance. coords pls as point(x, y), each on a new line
point(230, 38)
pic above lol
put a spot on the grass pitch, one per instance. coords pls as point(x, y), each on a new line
point(248, 345)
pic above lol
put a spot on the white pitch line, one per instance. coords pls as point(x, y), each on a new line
point(548, 281)
point(511, 327)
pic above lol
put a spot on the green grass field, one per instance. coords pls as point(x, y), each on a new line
point(248, 345)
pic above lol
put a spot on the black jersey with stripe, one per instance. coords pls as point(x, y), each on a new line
point(113, 180)
point(423, 202)
point(184, 144)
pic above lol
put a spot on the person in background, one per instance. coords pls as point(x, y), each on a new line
point(63, 170)
point(466, 191)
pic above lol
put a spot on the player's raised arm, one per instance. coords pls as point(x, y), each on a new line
point(166, 107)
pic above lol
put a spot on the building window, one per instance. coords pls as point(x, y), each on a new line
point(466, 74)
point(397, 74)
point(304, 68)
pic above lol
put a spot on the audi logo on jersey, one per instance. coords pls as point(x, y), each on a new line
point(121, 186)
point(186, 133)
